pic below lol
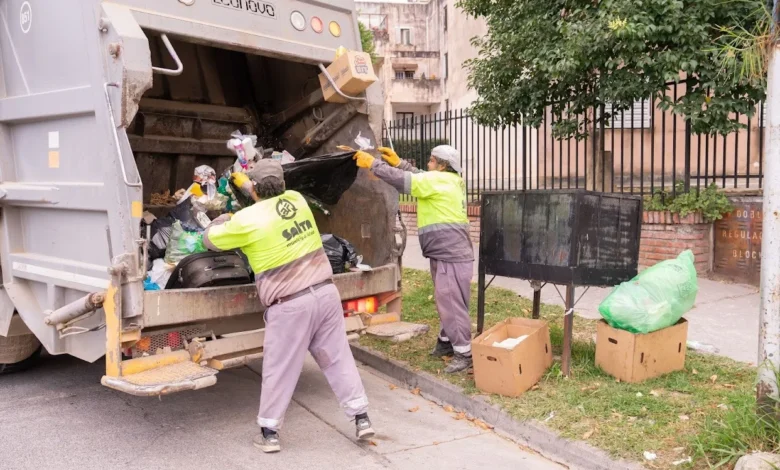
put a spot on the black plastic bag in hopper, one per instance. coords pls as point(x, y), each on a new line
point(324, 177)
point(339, 251)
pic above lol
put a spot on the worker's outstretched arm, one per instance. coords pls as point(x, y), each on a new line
point(399, 179)
point(405, 182)
point(395, 161)
point(227, 233)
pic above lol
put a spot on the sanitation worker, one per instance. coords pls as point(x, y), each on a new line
point(443, 228)
point(294, 281)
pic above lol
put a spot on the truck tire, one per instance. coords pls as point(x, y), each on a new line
point(18, 353)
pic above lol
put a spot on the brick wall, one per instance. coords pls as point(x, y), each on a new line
point(664, 236)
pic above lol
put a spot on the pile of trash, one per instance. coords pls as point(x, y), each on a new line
point(321, 180)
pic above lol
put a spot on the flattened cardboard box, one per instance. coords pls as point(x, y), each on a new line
point(634, 357)
point(353, 72)
point(510, 372)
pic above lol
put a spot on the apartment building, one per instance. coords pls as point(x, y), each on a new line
point(423, 45)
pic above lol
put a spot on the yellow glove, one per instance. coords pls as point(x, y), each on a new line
point(363, 159)
point(390, 156)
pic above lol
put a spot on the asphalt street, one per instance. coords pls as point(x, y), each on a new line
point(58, 416)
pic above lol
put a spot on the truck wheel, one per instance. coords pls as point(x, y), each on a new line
point(18, 353)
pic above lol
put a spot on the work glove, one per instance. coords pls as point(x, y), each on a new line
point(363, 159)
point(390, 156)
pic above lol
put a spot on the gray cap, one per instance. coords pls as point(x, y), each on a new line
point(447, 154)
point(266, 168)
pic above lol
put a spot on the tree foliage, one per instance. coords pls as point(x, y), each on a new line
point(577, 55)
point(367, 40)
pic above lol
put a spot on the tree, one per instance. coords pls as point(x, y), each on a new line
point(367, 40)
point(578, 55)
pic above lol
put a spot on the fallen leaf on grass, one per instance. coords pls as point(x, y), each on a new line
point(729, 385)
point(448, 409)
point(695, 372)
point(430, 297)
point(372, 443)
point(587, 435)
point(684, 417)
point(649, 455)
point(680, 462)
point(412, 410)
point(535, 387)
point(415, 391)
point(392, 387)
point(639, 394)
point(714, 378)
point(723, 406)
point(678, 449)
point(655, 393)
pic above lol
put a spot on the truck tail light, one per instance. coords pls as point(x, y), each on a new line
point(364, 305)
point(316, 24)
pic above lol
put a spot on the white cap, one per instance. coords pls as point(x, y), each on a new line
point(447, 154)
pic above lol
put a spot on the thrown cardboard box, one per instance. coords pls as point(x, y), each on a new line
point(511, 372)
point(352, 71)
point(634, 357)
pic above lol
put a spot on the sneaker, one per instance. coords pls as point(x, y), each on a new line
point(268, 441)
point(363, 429)
point(442, 349)
point(459, 363)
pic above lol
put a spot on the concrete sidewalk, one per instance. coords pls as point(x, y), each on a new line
point(724, 318)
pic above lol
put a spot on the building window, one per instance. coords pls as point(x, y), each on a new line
point(408, 73)
point(446, 65)
point(399, 74)
point(404, 120)
point(640, 119)
point(445, 18)
point(406, 36)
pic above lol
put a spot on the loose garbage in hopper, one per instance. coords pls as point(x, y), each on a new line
point(176, 240)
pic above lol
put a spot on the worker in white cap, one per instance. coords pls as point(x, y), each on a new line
point(443, 228)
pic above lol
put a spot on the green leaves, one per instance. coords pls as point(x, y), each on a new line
point(542, 53)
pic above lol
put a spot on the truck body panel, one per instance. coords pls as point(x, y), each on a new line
point(88, 133)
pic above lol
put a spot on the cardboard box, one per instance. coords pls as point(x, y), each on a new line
point(634, 357)
point(511, 372)
point(353, 72)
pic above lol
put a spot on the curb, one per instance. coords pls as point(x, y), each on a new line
point(574, 454)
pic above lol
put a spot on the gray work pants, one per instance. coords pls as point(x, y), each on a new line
point(452, 290)
point(313, 322)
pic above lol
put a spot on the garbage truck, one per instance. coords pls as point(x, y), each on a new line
point(105, 103)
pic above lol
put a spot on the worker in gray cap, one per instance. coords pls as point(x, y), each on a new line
point(443, 228)
point(279, 236)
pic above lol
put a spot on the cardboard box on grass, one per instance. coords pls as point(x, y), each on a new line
point(352, 71)
point(510, 372)
point(634, 357)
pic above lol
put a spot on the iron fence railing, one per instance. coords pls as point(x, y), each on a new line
point(640, 150)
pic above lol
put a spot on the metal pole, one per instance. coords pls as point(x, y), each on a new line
point(480, 298)
point(568, 327)
point(769, 316)
point(537, 286)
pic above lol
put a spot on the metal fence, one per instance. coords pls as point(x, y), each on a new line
point(641, 150)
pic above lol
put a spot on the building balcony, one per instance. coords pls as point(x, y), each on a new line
point(415, 91)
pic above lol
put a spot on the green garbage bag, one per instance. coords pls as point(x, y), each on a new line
point(182, 244)
point(657, 298)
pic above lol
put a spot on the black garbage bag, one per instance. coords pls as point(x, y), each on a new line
point(324, 177)
point(341, 253)
point(161, 228)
